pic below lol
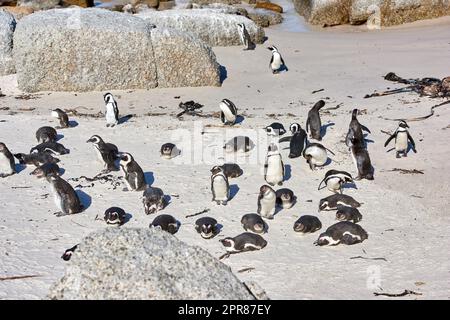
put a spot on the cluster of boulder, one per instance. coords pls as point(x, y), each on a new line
point(386, 12)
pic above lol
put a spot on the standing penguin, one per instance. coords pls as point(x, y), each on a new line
point(228, 113)
point(245, 37)
point(276, 62)
point(266, 202)
point(112, 111)
point(402, 137)
point(220, 187)
point(65, 196)
point(274, 167)
point(297, 141)
point(107, 152)
point(355, 130)
point(7, 163)
point(361, 160)
point(134, 176)
point(62, 117)
point(313, 122)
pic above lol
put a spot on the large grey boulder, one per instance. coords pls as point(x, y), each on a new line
point(39, 4)
point(136, 263)
point(324, 12)
point(7, 27)
point(95, 49)
point(215, 28)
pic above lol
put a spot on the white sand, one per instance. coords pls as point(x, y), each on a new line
point(413, 207)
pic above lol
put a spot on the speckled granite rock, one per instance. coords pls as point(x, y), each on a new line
point(264, 18)
point(39, 4)
point(137, 263)
point(7, 27)
point(324, 12)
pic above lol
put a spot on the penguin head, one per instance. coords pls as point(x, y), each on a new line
point(285, 196)
point(323, 204)
point(95, 139)
point(273, 48)
point(207, 230)
point(216, 169)
point(270, 131)
point(114, 215)
point(265, 190)
point(294, 127)
point(403, 124)
point(227, 242)
point(108, 97)
point(20, 157)
point(172, 228)
point(354, 113)
point(240, 26)
point(299, 227)
point(323, 240)
point(38, 173)
point(341, 216)
point(2, 147)
point(125, 157)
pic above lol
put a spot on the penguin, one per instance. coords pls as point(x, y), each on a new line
point(46, 134)
point(361, 160)
point(107, 153)
point(207, 227)
point(134, 176)
point(244, 242)
point(115, 215)
point(313, 122)
point(298, 140)
point(285, 198)
point(239, 144)
point(36, 158)
point(335, 179)
point(254, 223)
point(169, 151)
point(45, 170)
point(166, 222)
point(266, 202)
point(355, 130)
point(245, 37)
point(276, 62)
point(66, 199)
point(231, 170)
point(220, 187)
point(275, 129)
point(51, 147)
point(68, 253)
point(228, 112)
point(62, 117)
point(307, 224)
point(402, 137)
point(344, 232)
point(112, 111)
point(345, 213)
point(154, 200)
point(316, 155)
point(274, 167)
point(334, 201)
point(7, 163)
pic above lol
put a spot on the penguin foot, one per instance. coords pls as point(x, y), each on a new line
point(59, 214)
point(125, 189)
point(224, 203)
point(280, 183)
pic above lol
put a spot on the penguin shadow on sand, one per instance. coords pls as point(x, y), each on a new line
point(125, 119)
point(366, 141)
point(59, 137)
point(149, 178)
point(324, 128)
point(85, 199)
point(127, 218)
point(287, 172)
point(19, 167)
point(61, 171)
point(234, 189)
point(73, 123)
point(349, 185)
point(239, 119)
point(223, 73)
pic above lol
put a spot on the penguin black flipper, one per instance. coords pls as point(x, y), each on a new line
point(307, 124)
point(412, 142)
point(389, 139)
point(365, 128)
point(282, 61)
point(222, 117)
point(285, 139)
point(271, 60)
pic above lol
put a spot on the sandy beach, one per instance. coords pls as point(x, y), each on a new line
point(406, 215)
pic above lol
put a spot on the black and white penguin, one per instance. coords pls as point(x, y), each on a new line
point(107, 153)
point(244, 242)
point(7, 163)
point(313, 123)
point(345, 213)
point(245, 37)
point(275, 129)
point(266, 202)
point(239, 144)
point(316, 155)
point(207, 227)
point(276, 62)
point(335, 179)
point(285, 198)
point(36, 158)
point(274, 166)
point(66, 199)
point(115, 215)
point(334, 201)
point(46, 134)
point(51, 147)
point(228, 112)
point(154, 200)
point(69, 252)
point(344, 232)
point(112, 111)
point(220, 187)
point(361, 160)
point(254, 223)
point(45, 170)
point(166, 222)
point(355, 131)
point(231, 170)
point(169, 151)
point(297, 141)
point(307, 224)
point(133, 174)
point(402, 137)
point(62, 117)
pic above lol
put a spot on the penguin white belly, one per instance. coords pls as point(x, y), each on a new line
point(57, 198)
point(355, 162)
point(99, 155)
point(401, 141)
point(110, 115)
point(276, 63)
point(5, 166)
point(352, 235)
point(229, 116)
point(319, 156)
point(333, 184)
point(220, 189)
point(274, 172)
point(267, 206)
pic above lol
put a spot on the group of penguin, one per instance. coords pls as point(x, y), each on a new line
point(346, 231)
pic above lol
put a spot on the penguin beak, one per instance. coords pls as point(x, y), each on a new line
point(270, 48)
point(90, 140)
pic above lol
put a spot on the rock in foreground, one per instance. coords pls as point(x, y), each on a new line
point(134, 263)
point(7, 27)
